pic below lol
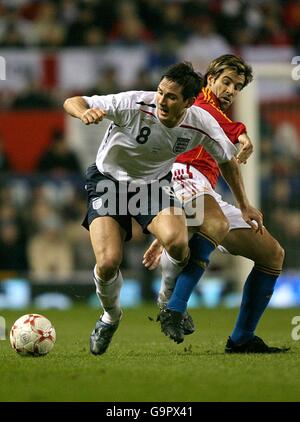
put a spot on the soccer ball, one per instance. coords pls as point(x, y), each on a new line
point(32, 335)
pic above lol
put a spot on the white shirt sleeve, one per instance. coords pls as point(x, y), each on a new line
point(217, 143)
point(120, 108)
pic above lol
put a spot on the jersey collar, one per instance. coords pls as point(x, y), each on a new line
point(208, 96)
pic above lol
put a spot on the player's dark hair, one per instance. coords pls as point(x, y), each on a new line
point(229, 61)
point(184, 75)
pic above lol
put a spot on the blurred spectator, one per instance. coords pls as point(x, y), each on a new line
point(204, 44)
point(12, 28)
point(12, 237)
point(291, 239)
point(144, 82)
point(280, 193)
point(273, 33)
point(287, 141)
point(291, 19)
point(94, 37)
point(129, 29)
point(69, 11)
point(77, 236)
point(8, 213)
point(37, 211)
point(77, 30)
point(4, 160)
point(133, 255)
point(151, 12)
point(174, 22)
point(12, 38)
point(107, 83)
point(164, 53)
point(243, 37)
point(33, 97)
point(47, 29)
point(49, 253)
point(12, 248)
point(59, 159)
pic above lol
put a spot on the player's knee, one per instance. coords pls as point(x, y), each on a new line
point(221, 227)
point(278, 254)
point(272, 256)
point(177, 245)
point(216, 229)
point(107, 267)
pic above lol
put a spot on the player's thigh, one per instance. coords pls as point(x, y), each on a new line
point(170, 227)
point(107, 237)
point(214, 222)
point(263, 249)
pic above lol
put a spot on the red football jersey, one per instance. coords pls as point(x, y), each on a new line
point(198, 157)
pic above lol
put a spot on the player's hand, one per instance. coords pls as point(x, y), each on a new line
point(246, 148)
point(254, 218)
point(93, 115)
point(151, 258)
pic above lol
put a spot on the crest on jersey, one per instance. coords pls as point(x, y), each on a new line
point(181, 145)
point(97, 203)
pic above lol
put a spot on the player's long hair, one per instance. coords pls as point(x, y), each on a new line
point(184, 75)
point(229, 61)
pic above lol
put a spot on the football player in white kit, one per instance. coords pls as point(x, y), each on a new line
point(148, 131)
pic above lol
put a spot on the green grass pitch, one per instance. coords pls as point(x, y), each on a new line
point(142, 364)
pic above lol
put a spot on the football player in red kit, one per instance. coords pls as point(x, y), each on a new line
point(222, 225)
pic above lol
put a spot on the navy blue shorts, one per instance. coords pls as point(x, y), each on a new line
point(123, 201)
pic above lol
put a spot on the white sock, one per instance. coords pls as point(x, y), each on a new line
point(170, 268)
point(108, 293)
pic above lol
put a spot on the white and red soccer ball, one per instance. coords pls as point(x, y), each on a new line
point(32, 335)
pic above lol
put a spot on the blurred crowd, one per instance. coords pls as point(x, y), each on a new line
point(156, 32)
point(280, 177)
point(41, 236)
point(60, 23)
point(41, 212)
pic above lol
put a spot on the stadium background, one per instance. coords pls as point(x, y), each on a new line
point(56, 49)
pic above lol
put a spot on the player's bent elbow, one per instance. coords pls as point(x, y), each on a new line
point(66, 104)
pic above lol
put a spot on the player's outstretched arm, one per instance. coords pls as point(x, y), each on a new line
point(78, 107)
point(231, 173)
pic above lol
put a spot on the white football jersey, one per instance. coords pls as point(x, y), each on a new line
point(137, 146)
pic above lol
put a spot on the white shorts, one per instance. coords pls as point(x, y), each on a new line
point(190, 184)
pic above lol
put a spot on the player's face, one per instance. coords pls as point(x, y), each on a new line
point(226, 86)
point(170, 103)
